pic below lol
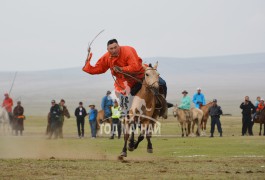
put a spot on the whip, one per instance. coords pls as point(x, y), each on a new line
point(90, 43)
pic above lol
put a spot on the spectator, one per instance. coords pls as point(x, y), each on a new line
point(8, 104)
point(93, 112)
point(247, 109)
point(116, 124)
point(55, 120)
point(19, 118)
point(106, 105)
point(63, 112)
point(80, 114)
point(215, 111)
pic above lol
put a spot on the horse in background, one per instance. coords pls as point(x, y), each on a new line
point(183, 120)
point(4, 118)
point(261, 120)
point(195, 117)
point(205, 109)
point(148, 118)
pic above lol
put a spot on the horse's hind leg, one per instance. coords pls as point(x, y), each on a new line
point(264, 129)
point(260, 129)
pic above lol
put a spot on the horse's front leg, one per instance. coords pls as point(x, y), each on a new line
point(190, 128)
point(149, 144)
point(186, 131)
point(131, 143)
point(182, 133)
point(126, 137)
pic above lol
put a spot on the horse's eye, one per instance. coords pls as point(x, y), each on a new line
point(147, 74)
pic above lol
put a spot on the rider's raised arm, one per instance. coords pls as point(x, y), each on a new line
point(100, 67)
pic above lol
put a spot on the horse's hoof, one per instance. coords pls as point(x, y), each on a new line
point(123, 154)
point(150, 150)
point(131, 148)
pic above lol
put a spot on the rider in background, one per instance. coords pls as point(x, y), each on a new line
point(198, 98)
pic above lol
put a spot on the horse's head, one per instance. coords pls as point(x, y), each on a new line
point(175, 111)
point(151, 76)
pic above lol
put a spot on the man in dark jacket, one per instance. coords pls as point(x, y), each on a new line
point(63, 112)
point(247, 109)
point(19, 118)
point(55, 120)
point(215, 111)
point(80, 113)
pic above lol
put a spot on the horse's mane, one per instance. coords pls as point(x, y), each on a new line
point(207, 105)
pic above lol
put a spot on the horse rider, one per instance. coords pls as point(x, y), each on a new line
point(126, 66)
point(63, 112)
point(257, 102)
point(259, 108)
point(106, 105)
point(55, 119)
point(215, 111)
point(247, 109)
point(8, 104)
point(198, 99)
point(19, 118)
point(185, 105)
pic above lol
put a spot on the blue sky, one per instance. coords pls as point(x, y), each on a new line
point(51, 34)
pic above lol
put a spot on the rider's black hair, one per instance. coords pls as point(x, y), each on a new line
point(112, 41)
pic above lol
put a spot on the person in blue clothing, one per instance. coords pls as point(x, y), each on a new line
point(198, 98)
point(106, 105)
point(93, 112)
point(185, 101)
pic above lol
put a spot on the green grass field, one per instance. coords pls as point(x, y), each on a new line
point(33, 156)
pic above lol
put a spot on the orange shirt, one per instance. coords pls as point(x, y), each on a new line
point(128, 59)
point(260, 107)
point(8, 103)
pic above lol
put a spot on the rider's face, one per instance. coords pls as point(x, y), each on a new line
point(114, 49)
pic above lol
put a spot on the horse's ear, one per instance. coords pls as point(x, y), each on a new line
point(155, 66)
point(144, 66)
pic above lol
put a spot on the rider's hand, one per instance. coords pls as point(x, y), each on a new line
point(89, 56)
point(117, 69)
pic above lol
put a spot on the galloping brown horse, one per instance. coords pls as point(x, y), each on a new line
point(143, 111)
point(205, 117)
point(261, 120)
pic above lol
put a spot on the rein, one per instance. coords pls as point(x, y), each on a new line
point(141, 82)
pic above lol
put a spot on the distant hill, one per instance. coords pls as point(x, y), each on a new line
point(227, 78)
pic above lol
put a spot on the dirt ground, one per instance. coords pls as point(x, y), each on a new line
point(33, 156)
